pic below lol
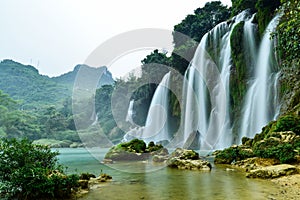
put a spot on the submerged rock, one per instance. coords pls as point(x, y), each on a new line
point(187, 159)
point(273, 171)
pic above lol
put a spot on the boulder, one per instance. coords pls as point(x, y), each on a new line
point(187, 159)
point(128, 151)
point(272, 171)
point(185, 154)
point(255, 163)
point(84, 184)
point(189, 164)
point(160, 158)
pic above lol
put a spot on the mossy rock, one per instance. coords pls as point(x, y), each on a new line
point(135, 150)
point(135, 145)
point(86, 176)
point(234, 153)
point(185, 154)
point(227, 156)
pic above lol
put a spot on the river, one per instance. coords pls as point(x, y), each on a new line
point(142, 180)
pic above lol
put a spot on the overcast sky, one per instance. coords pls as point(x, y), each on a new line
point(55, 35)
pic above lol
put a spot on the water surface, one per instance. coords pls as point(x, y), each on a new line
point(159, 182)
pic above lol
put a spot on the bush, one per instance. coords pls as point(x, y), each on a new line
point(288, 123)
point(138, 146)
point(283, 152)
point(30, 171)
point(227, 156)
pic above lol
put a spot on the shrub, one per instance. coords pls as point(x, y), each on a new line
point(227, 156)
point(30, 171)
point(283, 152)
point(288, 123)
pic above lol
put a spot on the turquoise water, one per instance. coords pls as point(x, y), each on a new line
point(142, 180)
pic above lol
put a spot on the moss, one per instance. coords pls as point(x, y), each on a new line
point(283, 152)
point(227, 156)
point(135, 145)
point(239, 73)
point(240, 5)
point(288, 123)
point(265, 12)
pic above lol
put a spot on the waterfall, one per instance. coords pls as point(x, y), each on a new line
point(260, 105)
point(130, 113)
point(206, 89)
point(249, 38)
point(157, 128)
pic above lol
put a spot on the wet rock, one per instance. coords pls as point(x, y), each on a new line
point(185, 154)
point(189, 164)
point(187, 159)
point(159, 158)
point(272, 171)
point(84, 184)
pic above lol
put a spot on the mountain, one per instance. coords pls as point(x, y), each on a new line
point(69, 77)
point(24, 83)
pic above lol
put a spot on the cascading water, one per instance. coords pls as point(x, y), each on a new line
point(157, 128)
point(130, 112)
point(260, 105)
point(250, 45)
point(206, 91)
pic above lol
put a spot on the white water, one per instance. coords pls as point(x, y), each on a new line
point(130, 113)
point(250, 43)
point(157, 128)
point(261, 104)
point(206, 91)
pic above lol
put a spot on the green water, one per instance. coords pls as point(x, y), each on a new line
point(159, 182)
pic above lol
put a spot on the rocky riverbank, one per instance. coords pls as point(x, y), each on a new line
point(274, 154)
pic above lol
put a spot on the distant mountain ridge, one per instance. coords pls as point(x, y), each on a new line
point(69, 77)
point(24, 83)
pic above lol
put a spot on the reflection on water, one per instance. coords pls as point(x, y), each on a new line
point(164, 183)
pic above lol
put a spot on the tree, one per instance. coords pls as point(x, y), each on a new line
point(30, 171)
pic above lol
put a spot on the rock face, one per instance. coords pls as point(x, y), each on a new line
point(193, 141)
point(187, 159)
point(273, 171)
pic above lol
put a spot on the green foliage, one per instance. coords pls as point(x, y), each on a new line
point(265, 12)
point(195, 26)
point(135, 145)
point(234, 153)
point(86, 176)
point(240, 5)
point(203, 20)
point(288, 123)
point(240, 71)
point(227, 156)
point(30, 171)
point(25, 83)
point(289, 30)
point(283, 152)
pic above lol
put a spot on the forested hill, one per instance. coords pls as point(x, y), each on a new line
point(69, 78)
point(33, 90)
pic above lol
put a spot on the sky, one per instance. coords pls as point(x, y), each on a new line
point(56, 35)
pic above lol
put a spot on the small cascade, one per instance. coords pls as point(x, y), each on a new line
point(260, 105)
point(250, 45)
point(206, 89)
point(130, 113)
point(157, 128)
